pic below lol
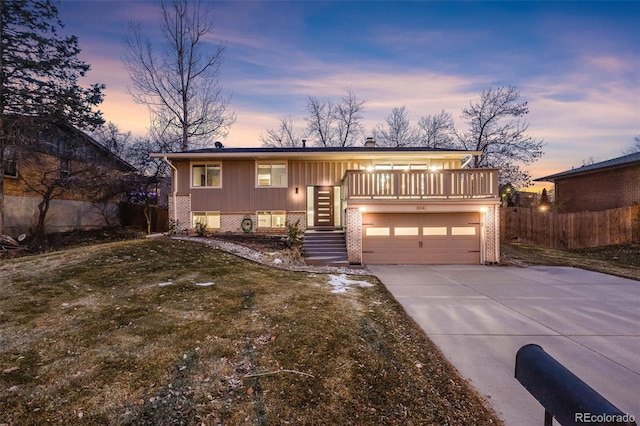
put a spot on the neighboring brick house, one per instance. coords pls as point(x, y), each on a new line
point(57, 152)
point(605, 185)
point(394, 205)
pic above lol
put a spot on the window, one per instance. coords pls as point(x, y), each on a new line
point(376, 232)
point(206, 175)
point(463, 230)
point(10, 164)
point(10, 168)
point(211, 219)
point(65, 168)
point(434, 230)
point(271, 219)
point(405, 231)
point(272, 174)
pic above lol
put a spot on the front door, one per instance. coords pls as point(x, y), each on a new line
point(323, 202)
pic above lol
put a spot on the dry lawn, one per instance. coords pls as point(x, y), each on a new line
point(621, 260)
point(179, 333)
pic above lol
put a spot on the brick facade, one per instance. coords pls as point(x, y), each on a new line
point(603, 190)
point(229, 222)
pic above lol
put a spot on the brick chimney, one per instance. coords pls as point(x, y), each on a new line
point(370, 143)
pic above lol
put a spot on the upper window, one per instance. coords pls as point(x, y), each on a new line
point(272, 174)
point(207, 175)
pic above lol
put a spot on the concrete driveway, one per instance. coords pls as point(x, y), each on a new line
point(480, 316)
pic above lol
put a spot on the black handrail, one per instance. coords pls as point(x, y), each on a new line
point(564, 395)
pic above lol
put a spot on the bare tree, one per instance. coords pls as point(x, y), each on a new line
point(181, 84)
point(437, 131)
point(337, 124)
point(498, 130)
point(320, 121)
point(68, 175)
point(348, 119)
point(285, 136)
point(398, 131)
point(591, 160)
point(634, 148)
point(111, 137)
point(152, 170)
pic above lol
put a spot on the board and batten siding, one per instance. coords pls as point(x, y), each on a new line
point(240, 194)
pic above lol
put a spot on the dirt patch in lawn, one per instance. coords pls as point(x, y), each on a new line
point(621, 260)
point(162, 331)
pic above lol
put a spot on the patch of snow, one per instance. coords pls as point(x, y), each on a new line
point(341, 283)
point(277, 261)
point(164, 284)
point(205, 284)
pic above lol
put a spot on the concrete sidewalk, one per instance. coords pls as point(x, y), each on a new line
point(480, 316)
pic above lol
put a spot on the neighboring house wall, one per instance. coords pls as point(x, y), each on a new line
point(21, 215)
point(603, 190)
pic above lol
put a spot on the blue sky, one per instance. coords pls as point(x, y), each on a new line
point(577, 63)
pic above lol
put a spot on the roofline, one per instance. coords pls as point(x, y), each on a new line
point(125, 164)
point(612, 164)
point(314, 153)
point(88, 138)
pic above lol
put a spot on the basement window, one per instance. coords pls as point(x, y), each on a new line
point(211, 219)
point(271, 219)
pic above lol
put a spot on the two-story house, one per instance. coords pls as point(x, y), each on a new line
point(395, 205)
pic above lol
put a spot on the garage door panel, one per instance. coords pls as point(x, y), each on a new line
point(433, 238)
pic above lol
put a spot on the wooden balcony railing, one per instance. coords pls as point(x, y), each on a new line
point(420, 184)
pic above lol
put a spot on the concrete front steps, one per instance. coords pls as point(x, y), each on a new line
point(325, 247)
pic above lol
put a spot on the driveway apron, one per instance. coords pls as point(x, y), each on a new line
point(480, 316)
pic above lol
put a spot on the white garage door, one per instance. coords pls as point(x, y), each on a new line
point(425, 238)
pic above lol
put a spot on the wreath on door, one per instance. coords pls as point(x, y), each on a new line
point(246, 224)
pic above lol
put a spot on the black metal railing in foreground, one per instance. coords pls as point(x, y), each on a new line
point(564, 395)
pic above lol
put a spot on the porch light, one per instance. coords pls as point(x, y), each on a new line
point(484, 209)
point(362, 209)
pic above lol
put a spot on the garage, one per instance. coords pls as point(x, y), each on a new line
point(421, 238)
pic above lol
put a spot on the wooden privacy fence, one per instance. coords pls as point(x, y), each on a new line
point(132, 214)
point(570, 230)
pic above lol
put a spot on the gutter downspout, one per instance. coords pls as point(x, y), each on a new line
point(175, 186)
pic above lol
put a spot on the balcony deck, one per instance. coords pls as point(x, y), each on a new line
point(420, 184)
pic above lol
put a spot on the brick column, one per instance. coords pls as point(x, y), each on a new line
point(182, 210)
point(492, 235)
point(354, 235)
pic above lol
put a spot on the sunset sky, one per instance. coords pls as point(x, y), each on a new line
point(577, 63)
